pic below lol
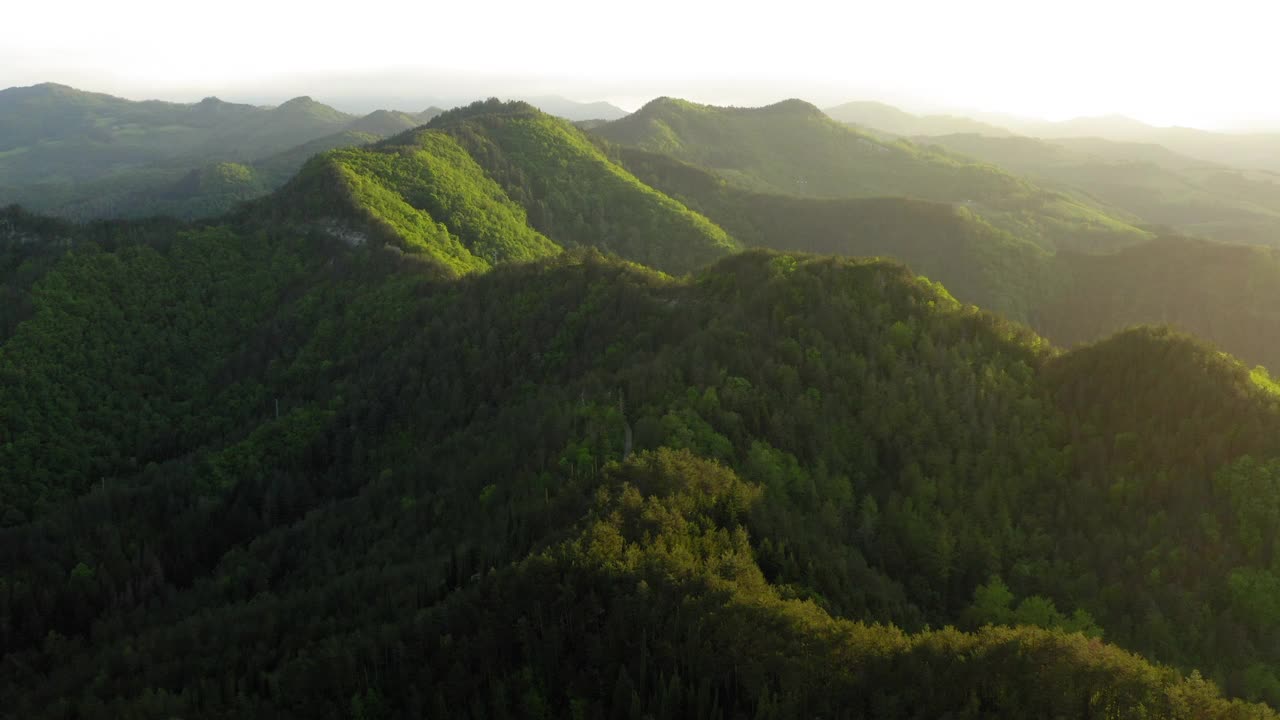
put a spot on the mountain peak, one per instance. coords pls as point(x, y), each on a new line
point(52, 87)
point(792, 106)
point(666, 102)
point(492, 106)
point(302, 101)
point(384, 123)
point(45, 89)
point(212, 104)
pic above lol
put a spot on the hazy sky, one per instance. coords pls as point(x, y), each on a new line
point(1165, 62)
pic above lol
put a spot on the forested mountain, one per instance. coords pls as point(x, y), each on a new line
point(316, 479)
point(794, 149)
point(495, 182)
point(979, 263)
point(385, 123)
point(496, 418)
point(88, 155)
point(1226, 293)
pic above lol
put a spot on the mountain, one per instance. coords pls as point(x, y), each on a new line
point(254, 451)
point(573, 110)
point(1220, 291)
point(495, 182)
point(889, 119)
point(1248, 151)
point(497, 418)
point(52, 132)
point(980, 264)
point(793, 148)
point(384, 123)
point(87, 155)
point(1149, 181)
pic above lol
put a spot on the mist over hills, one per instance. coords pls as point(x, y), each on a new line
point(483, 413)
point(1245, 150)
point(886, 118)
point(1121, 164)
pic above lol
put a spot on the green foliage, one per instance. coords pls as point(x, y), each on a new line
point(426, 196)
point(993, 605)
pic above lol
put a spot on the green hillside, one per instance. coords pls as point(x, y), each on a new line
point(794, 149)
point(495, 183)
point(423, 193)
point(575, 194)
point(356, 485)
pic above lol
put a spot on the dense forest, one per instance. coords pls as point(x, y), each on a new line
point(497, 417)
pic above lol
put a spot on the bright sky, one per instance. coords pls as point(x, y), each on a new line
point(1162, 61)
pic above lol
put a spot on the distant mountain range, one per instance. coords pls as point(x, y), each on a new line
point(81, 155)
point(1250, 151)
point(793, 148)
point(886, 118)
point(1189, 180)
point(575, 111)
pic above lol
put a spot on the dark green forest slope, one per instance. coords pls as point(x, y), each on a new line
point(1229, 294)
point(793, 148)
point(251, 469)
